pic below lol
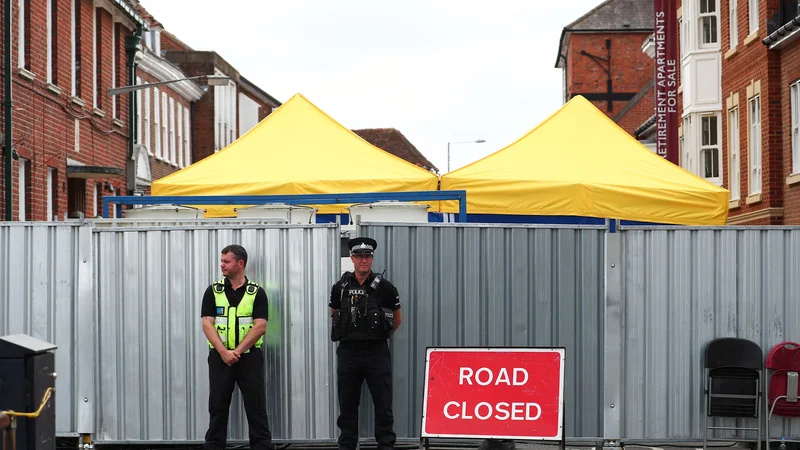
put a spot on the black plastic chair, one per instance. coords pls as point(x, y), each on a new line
point(734, 371)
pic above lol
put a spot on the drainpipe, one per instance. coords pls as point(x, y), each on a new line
point(133, 44)
point(7, 105)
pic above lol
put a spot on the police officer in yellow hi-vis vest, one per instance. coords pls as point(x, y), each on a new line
point(234, 313)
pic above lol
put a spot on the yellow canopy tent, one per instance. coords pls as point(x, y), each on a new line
point(578, 162)
point(297, 149)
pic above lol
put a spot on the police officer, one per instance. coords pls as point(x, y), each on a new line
point(365, 310)
point(234, 313)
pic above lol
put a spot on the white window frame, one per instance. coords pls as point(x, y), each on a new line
point(794, 94)
point(179, 129)
point(50, 173)
point(21, 167)
point(688, 149)
point(21, 34)
point(49, 50)
point(157, 123)
point(735, 151)
point(187, 159)
point(173, 157)
point(74, 49)
point(709, 146)
point(733, 25)
point(95, 94)
point(165, 126)
point(713, 17)
point(755, 173)
point(114, 83)
point(96, 198)
point(139, 124)
point(752, 7)
point(146, 121)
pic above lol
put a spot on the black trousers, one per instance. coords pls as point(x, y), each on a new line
point(248, 373)
point(359, 361)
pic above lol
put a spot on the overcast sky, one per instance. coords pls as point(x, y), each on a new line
point(438, 71)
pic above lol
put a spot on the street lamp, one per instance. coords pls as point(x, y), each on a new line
point(479, 141)
point(211, 80)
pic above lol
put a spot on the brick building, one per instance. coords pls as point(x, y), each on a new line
point(72, 143)
point(740, 66)
point(70, 140)
point(394, 142)
point(600, 54)
point(164, 126)
point(225, 112)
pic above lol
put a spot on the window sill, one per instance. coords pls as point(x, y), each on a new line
point(752, 38)
point(729, 54)
point(78, 101)
point(98, 112)
point(54, 89)
point(793, 179)
point(118, 123)
point(680, 89)
point(733, 204)
point(754, 198)
point(24, 73)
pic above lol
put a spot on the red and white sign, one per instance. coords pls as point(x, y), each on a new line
point(499, 393)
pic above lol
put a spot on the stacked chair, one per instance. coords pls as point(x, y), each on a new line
point(734, 372)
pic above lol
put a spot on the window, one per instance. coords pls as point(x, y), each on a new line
point(52, 48)
point(139, 124)
point(187, 159)
point(76, 48)
point(146, 121)
point(733, 147)
point(157, 122)
point(173, 158)
point(21, 187)
point(225, 114)
point(688, 159)
point(709, 149)
point(795, 128)
point(98, 58)
point(52, 183)
point(24, 34)
point(734, 22)
point(754, 149)
point(179, 128)
point(684, 38)
point(753, 15)
point(164, 126)
point(115, 75)
point(95, 199)
point(708, 22)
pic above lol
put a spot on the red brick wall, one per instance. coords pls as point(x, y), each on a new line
point(753, 62)
point(169, 42)
point(790, 73)
point(639, 114)
point(44, 121)
point(631, 68)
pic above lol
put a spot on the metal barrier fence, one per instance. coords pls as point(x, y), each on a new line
point(634, 309)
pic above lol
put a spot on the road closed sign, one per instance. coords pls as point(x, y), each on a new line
point(501, 393)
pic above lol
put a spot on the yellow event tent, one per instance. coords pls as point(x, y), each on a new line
point(297, 149)
point(578, 162)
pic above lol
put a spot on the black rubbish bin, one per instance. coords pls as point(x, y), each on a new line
point(27, 371)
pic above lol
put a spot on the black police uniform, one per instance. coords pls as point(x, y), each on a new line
point(362, 323)
point(248, 373)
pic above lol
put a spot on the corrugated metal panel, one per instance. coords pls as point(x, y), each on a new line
point(39, 278)
point(685, 287)
point(152, 372)
point(486, 285)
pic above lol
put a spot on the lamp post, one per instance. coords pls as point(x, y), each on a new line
point(133, 45)
point(479, 141)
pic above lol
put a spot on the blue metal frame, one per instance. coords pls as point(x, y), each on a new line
point(304, 199)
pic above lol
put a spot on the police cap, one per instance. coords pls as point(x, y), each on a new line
point(362, 246)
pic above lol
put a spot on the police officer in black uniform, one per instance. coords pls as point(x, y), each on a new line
point(365, 310)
